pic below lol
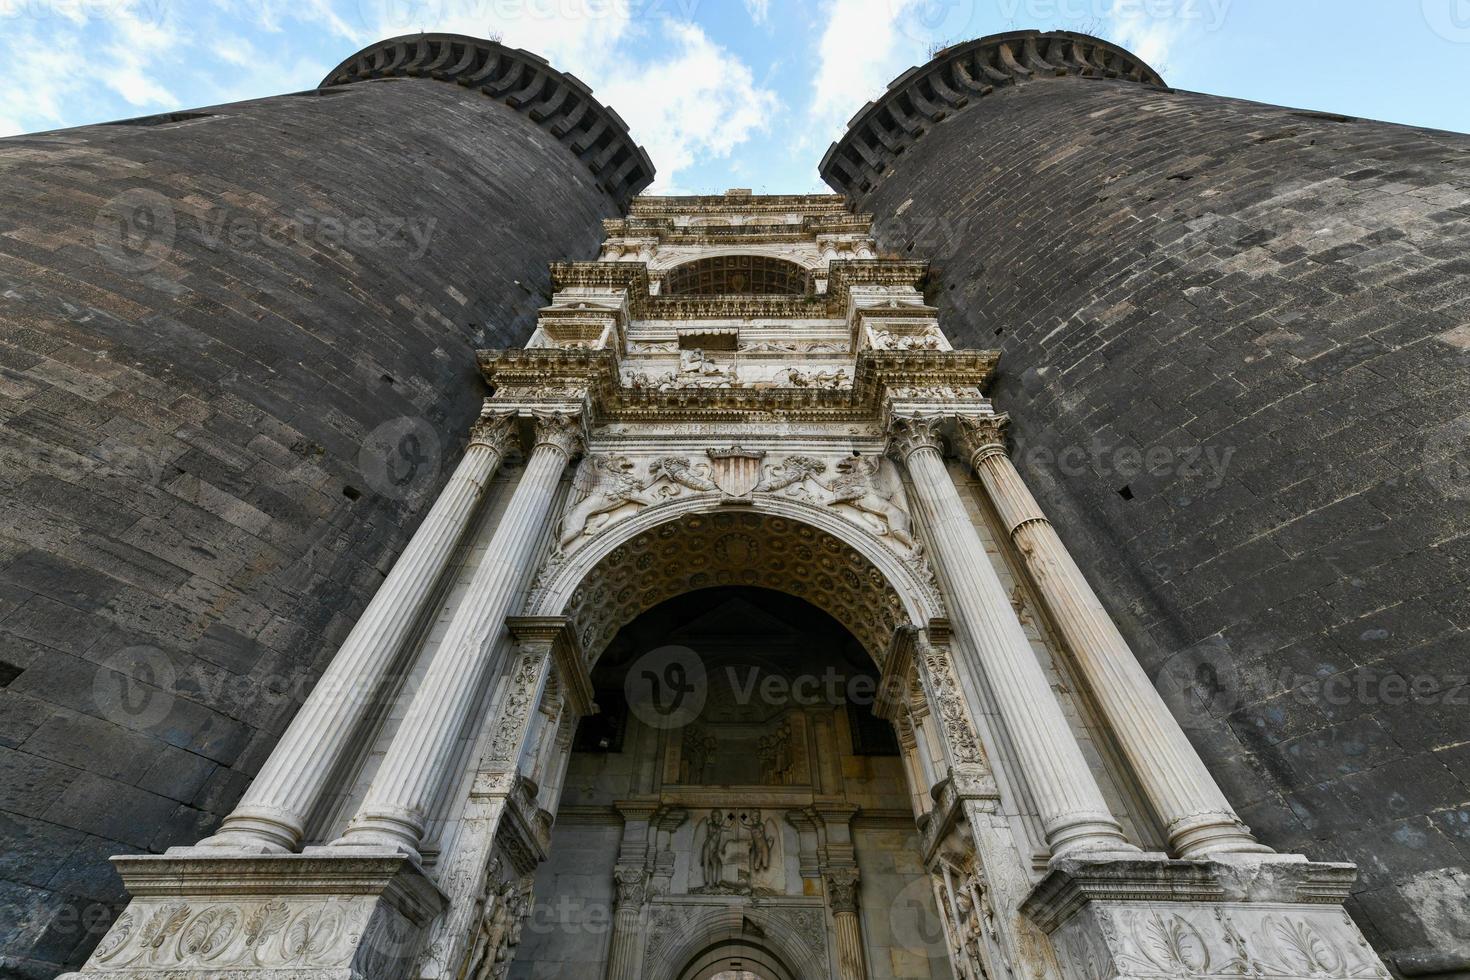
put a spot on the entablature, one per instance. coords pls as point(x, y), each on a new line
point(533, 379)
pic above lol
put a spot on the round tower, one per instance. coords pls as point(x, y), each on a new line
point(1235, 346)
point(236, 366)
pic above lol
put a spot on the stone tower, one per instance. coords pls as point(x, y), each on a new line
point(236, 367)
point(1235, 341)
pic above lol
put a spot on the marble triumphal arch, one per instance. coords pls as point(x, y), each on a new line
point(735, 647)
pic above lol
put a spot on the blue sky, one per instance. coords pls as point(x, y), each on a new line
point(727, 93)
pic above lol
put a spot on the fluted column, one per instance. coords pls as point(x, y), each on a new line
point(1196, 815)
point(1074, 815)
point(842, 896)
point(632, 892)
point(272, 815)
point(395, 810)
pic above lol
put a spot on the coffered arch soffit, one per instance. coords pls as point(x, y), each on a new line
point(786, 545)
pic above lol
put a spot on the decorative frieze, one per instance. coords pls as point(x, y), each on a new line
point(319, 918)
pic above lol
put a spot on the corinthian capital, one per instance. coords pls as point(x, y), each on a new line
point(981, 435)
point(632, 886)
point(496, 432)
point(561, 430)
point(842, 889)
point(907, 434)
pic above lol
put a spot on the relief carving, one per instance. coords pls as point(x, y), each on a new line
point(502, 911)
point(735, 848)
point(872, 486)
point(1215, 941)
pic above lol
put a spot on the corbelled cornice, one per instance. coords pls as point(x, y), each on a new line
point(633, 276)
point(559, 103)
point(923, 96)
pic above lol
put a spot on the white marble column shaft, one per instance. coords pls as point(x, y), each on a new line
point(842, 895)
point(395, 810)
point(632, 892)
point(272, 815)
point(1074, 815)
point(1197, 818)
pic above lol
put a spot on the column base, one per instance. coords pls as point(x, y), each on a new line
point(1245, 916)
point(302, 917)
point(253, 830)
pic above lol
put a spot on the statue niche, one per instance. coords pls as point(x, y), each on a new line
point(738, 853)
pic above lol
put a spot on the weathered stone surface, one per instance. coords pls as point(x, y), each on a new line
point(236, 365)
point(1274, 304)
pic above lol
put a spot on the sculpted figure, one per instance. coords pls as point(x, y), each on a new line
point(712, 855)
point(872, 485)
point(679, 470)
point(606, 484)
point(793, 470)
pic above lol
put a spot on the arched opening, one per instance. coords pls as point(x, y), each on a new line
point(735, 803)
point(802, 550)
point(737, 960)
point(743, 275)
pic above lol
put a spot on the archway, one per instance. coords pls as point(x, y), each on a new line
point(784, 544)
point(738, 274)
point(784, 767)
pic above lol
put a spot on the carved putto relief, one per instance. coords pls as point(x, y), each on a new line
point(737, 853)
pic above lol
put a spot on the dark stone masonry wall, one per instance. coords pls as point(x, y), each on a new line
point(236, 364)
point(1276, 305)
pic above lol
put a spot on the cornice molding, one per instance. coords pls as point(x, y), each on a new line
point(558, 102)
point(834, 304)
point(924, 95)
point(596, 373)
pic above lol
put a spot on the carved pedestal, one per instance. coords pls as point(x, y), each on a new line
point(1142, 919)
point(277, 917)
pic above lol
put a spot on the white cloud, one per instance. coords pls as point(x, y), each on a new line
point(1150, 38)
point(864, 46)
point(759, 10)
point(575, 35)
point(698, 102)
point(124, 44)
